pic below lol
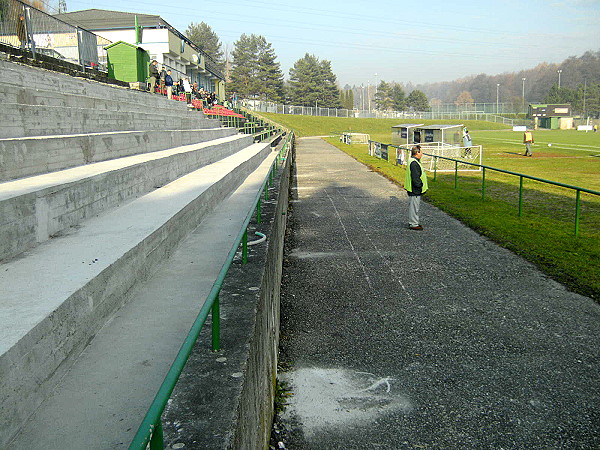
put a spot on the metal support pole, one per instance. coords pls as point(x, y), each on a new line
point(29, 31)
point(577, 211)
point(483, 185)
point(216, 325)
point(245, 247)
point(520, 196)
point(258, 211)
point(157, 440)
point(455, 174)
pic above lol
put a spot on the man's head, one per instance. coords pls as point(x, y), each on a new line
point(415, 152)
point(168, 72)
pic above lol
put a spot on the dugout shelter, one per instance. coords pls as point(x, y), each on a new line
point(403, 134)
point(442, 134)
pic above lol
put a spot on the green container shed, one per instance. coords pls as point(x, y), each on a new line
point(127, 62)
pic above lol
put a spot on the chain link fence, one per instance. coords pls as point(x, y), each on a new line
point(269, 107)
point(24, 27)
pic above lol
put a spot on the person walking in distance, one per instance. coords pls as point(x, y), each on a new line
point(415, 183)
point(528, 140)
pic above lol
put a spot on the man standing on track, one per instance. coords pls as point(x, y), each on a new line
point(415, 183)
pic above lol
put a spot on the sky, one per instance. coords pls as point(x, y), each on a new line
point(402, 41)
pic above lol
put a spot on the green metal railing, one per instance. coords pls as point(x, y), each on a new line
point(150, 430)
point(578, 190)
point(260, 128)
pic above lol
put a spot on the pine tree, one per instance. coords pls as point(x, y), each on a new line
point(399, 97)
point(417, 100)
point(269, 72)
point(255, 73)
point(312, 82)
point(383, 97)
point(204, 37)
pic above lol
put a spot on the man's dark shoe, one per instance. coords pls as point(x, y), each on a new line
point(418, 227)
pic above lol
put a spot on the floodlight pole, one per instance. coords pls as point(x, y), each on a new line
point(559, 72)
point(363, 96)
point(375, 91)
point(497, 96)
point(523, 107)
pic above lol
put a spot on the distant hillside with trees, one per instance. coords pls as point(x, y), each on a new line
point(538, 83)
point(578, 76)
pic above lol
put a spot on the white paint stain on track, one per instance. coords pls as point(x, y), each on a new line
point(337, 398)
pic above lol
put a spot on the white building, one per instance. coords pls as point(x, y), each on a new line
point(164, 43)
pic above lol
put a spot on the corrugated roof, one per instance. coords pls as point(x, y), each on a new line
point(407, 125)
point(102, 19)
point(439, 127)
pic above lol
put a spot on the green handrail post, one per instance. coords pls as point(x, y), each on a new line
point(216, 325)
point(157, 440)
point(483, 185)
point(245, 247)
point(455, 174)
point(258, 211)
point(577, 211)
point(266, 192)
point(520, 196)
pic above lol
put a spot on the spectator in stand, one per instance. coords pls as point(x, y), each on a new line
point(154, 75)
point(163, 75)
point(187, 88)
point(195, 90)
point(169, 84)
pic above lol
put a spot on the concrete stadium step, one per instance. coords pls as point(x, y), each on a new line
point(19, 120)
point(26, 156)
point(57, 298)
point(34, 209)
point(31, 85)
point(108, 98)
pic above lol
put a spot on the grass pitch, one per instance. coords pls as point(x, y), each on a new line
point(544, 234)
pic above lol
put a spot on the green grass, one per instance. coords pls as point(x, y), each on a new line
point(544, 234)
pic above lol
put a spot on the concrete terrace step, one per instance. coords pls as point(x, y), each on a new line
point(19, 120)
point(26, 156)
point(25, 81)
point(35, 208)
point(114, 99)
point(60, 295)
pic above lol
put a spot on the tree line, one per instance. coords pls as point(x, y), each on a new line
point(579, 80)
point(254, 72)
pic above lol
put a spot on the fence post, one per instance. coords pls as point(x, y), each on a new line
point(455, 174)
point(483, 185)
point(577, 211)
point(258, 211)
point(79, 34)
point(245, 247)
point(28, 30)
point(157, 440)
point(520, 196)
point(216, 325)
